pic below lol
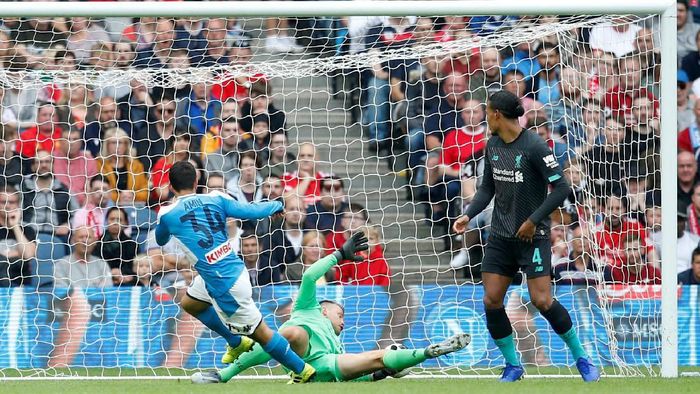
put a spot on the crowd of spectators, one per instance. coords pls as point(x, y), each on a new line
point(89, 164)
point(85, 168)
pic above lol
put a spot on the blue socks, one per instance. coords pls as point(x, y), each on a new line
point(211, 319)
point(279, 349)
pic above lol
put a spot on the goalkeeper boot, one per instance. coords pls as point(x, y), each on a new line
point(449, 345)
point(588, 371)
point(512, 373)
point(205, 377)
point(232, 353)
point(304, 376)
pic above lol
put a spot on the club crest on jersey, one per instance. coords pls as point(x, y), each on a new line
point(518, 160)
point(550, 161)
point(219, 252)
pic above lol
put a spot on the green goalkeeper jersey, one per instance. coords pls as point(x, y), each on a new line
point(307, 313)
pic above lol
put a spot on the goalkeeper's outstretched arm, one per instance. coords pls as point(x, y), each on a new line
point(307, 292)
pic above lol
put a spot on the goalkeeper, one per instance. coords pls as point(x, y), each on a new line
point(313, 332)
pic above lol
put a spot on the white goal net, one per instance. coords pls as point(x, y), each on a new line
point(371, 124)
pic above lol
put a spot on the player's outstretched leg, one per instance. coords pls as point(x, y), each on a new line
point(236, 344)
point(449, 345)
point(296, 336)
point(560, 320)
point(371, 366)
point(278, 347)
point(256, 356)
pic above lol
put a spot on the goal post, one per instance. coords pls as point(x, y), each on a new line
point(667, 94)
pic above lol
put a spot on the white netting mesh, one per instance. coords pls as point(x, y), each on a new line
point(394, 107)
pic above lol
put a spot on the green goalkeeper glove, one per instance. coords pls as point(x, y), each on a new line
point(356, 243)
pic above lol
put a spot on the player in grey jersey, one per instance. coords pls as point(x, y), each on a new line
point(519, 168)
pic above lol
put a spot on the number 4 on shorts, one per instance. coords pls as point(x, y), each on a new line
point(537, 259)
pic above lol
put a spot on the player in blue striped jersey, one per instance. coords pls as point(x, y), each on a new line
point(221, 296)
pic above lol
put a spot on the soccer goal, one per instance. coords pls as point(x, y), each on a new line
point(268, 98)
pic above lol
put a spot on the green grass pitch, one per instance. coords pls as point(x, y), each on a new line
point(442, 386)
point(636, 385)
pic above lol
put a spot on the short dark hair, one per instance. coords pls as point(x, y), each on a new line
point(696, 252)
point(618, 195)
point(507, 104)
point(97, 178)
point(8, 132)
point(230, 119)
point(183, 175)
point(332, 177)
point(333, 303)
point(250, 154)
point(354, 207)
point(515, 73)
point(215, 174)
point(261, 118)
point(7, 188)
point(249, 234)
point(125, 216)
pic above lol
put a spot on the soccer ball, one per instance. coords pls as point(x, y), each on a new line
point(395, 346)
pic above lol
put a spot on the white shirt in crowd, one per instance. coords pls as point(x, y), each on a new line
point(606, 38)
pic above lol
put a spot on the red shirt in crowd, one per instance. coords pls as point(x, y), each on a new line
point(160, 173)
point(460, 145)
point(290, 180)
point(684, 142)
point(229, 88)
point(31, 140)
point(373, 271)
point(620, 102)
point(648, 275)
point(334, 240)
point(610, 241)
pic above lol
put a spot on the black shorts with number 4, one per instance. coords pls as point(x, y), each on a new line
point(506, 256)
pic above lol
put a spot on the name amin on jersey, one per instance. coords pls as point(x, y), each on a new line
point(219, 252)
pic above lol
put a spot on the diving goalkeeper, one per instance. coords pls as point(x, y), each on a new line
point(313, 332)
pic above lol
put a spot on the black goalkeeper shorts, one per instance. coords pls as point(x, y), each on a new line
point(507, 256)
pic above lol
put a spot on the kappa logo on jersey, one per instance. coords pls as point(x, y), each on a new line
point(219, 252)
point(550, 161)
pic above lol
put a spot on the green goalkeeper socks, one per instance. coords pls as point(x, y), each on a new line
point(574, 344)
point(247, 360)
point(507, 347)
point(404, 358)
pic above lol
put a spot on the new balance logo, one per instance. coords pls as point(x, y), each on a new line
point(539, 268)
point(219, 252)
point(550, 161)
point(494, 157)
